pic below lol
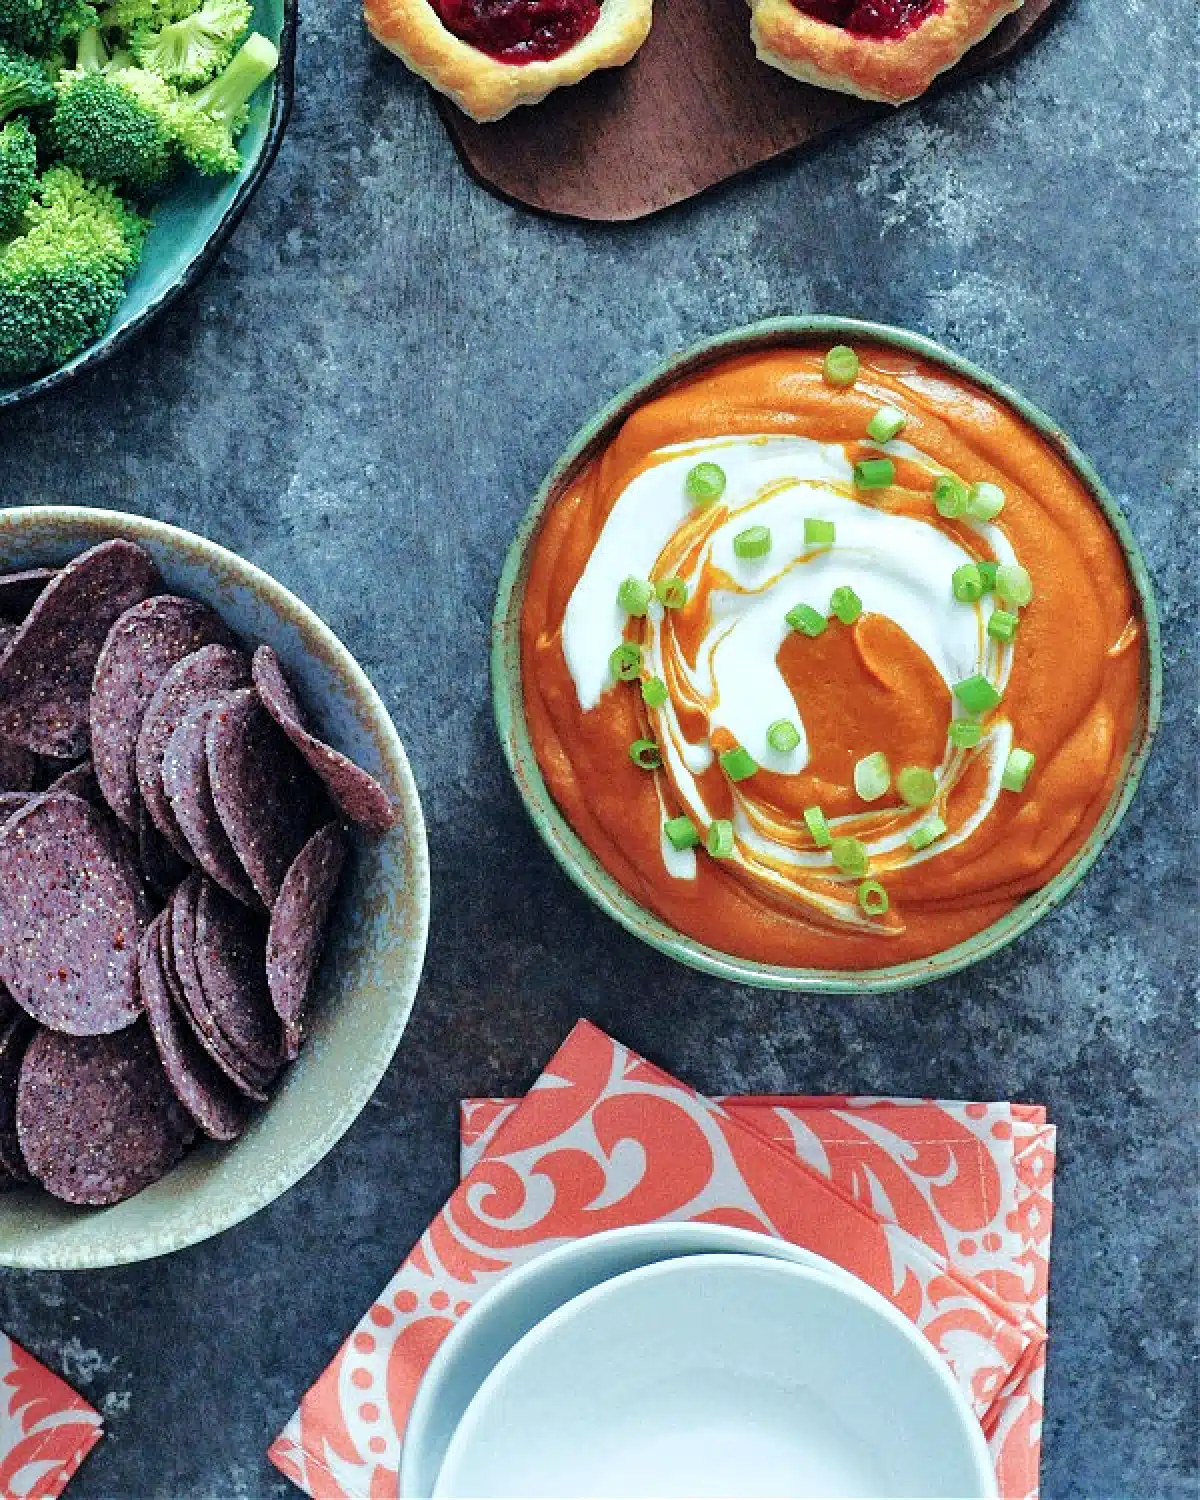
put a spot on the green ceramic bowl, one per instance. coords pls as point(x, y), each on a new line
point(570, 851)
point(194, 220)
point(368, 978)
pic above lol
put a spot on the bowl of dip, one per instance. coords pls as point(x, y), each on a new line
point(823, 660)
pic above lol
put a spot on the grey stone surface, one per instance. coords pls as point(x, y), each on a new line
point(362, 398)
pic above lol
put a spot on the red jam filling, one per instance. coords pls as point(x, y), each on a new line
point(520, 31)
point(888, 20)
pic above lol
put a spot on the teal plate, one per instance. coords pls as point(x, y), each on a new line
point(573, 854)
point(195, 219)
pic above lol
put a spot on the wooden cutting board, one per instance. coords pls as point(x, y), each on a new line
point(694, 108)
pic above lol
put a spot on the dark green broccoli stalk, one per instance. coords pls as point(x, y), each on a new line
point(18, 173)
point(207, 121)
point(63, 278)
point(23, 82)
point(190, 51)
point(39, 25)
point(117, 127)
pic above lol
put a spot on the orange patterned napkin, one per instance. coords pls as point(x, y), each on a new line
point(605, 1139)
point(46, 1430)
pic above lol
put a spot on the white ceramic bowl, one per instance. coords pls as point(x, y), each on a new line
point(719, 1375)
point(526, 1295)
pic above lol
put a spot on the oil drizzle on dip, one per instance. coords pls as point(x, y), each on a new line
point(787, 443)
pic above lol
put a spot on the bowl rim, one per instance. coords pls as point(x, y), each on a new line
point(149, 1243)
point(283, 96)
point(844, 1288)
point(573, 855)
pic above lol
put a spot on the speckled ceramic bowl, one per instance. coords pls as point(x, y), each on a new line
point(195, 218)
point(368, 978)
point(574, 856)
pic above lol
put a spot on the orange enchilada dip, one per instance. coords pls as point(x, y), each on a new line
point(829, 658)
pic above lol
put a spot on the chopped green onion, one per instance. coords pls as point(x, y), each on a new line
point(926, 833)
point(705, 483)
point(872, 776)
point(872, 898)
point(646, 755)
point(755, 541)
point(654, 692)
point(985, 501)
point(783, 736)
point(626, 661)
point(1016, 770)
point(874, 473)
point(887, 423)
point(917, 786)
point(682, 833)
point(845, 604)
point(841, 365)
point(1002, 625)
point(738, 763)
point(950, 496)
point(720, 838)
point(819, 533)
point(964, 734)
point(850, 856)
point(818, 827)
point(634, 595)
point(967, 583)
point(806, 619)
point(988, 571)
point(672, 592)
point(976, 694)
point(1014, 584)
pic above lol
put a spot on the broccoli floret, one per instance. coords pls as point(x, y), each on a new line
point(207, 121)
point(39, 25)
point(189, 52)
point(18, 173)
point(129, 16)
point(23, 82)
point(117, 127)
point(62, 279)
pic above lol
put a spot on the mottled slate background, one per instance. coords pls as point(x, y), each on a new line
point(362, 398)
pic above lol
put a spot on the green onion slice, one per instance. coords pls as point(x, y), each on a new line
point(964, 733)
point(850, 856)
point(818, 533)
point(682, 833)
point(887, 423)
point(1002, 625)
point(783, 736)
point(705, 483)
point(985, 501)
point(806, 619)
point(967, 583)
point(976, 694)
point(950, 496)
point(626, 661)
point(988, 571)
point(845, 604)
point(917, 786)
point(634, 595)
point(872, 898)
point(672, 592)
point(926, 833)
point(841, 366)
point(818, 827)
point(720, 838)
point(1014, 584)
point(872, 776)
point(738, 764)
point(874, 473)
point(1016, 770)
point(646, 755)
point(654, 692)
point(755, 541)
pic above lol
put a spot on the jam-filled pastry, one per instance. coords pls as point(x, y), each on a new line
point(890, 50)
point(491, 55)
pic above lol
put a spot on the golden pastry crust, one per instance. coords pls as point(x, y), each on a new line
point(890, 69)
point(486, 88)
